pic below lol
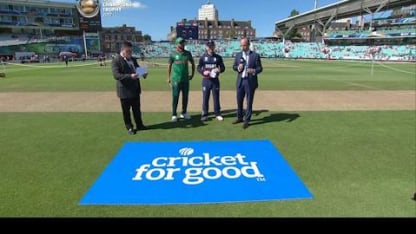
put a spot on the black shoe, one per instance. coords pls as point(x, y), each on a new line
point(131, 131)
point(245, 125)
point(238, 121)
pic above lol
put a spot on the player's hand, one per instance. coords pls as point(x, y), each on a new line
point(251, 70)
point(133, 76)
point(240, 67)
point(206, 73)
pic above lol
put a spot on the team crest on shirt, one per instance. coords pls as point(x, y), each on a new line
point(177, 57)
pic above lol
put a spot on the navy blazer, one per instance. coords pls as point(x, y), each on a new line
point(126, 86)
point(254, 62)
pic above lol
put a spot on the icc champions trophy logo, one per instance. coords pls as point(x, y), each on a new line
point(88, 8)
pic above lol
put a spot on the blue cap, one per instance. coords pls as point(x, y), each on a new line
point(210, 43)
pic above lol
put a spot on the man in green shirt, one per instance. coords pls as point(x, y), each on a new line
point(178, 77)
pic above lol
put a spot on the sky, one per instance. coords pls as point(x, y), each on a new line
point(155, 17)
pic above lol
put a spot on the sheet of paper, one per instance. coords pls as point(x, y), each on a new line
point(140, 71)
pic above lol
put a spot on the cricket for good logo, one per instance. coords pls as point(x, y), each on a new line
point(195, 169)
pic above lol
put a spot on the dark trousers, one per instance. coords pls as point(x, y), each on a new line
point(177, 88)
point(134, 105)
point(245, 91)
point(208, 86)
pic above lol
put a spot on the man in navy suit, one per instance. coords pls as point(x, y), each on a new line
point(128, 87)
point(247, 64)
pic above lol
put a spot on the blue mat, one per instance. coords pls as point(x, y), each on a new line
point(159, 173)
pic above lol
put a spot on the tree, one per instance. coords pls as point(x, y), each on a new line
point(294, 12)
point(147, 37)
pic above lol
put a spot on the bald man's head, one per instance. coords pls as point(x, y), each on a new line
point(245, 44)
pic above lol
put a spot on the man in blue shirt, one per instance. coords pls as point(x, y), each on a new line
point(210, 66)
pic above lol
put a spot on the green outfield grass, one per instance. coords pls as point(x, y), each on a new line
point(277, 75)
point(356, 164)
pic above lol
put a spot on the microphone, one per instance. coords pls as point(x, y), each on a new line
point(242, 61)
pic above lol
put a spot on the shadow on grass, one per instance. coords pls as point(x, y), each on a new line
point(194, 122)
point(278, 117)
point(224, 113)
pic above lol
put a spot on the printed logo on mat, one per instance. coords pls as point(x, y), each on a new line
point(157, 173)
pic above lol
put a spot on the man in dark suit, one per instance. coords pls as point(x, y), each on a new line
point(247, 64)
point(128, 87)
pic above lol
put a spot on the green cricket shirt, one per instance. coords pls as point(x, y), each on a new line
point(180, 67)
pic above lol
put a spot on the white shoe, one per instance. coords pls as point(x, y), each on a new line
point(174, 119)
point(185, 116)
point(220, 118)
point(204, 118)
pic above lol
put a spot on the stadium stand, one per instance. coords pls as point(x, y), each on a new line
point(302, 50)
point(388, 38)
